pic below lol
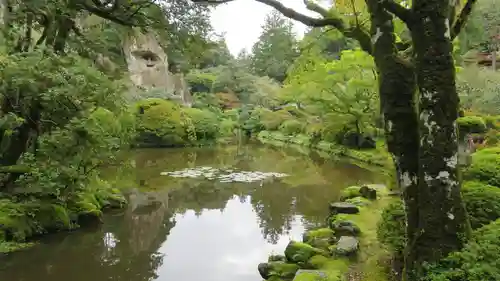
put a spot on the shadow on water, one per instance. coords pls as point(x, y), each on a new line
point(193, 229)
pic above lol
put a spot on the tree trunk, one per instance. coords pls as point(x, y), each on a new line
point(437, 220)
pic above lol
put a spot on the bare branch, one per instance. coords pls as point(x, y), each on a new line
point(462, 18)
point(399, 11)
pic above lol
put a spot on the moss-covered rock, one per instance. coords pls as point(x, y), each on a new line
point(320, 238)
point(346, 246)
point(277, 269)
point(301, 252)
point(343, 208)
point(358, 201)
point(344, 227)
point(276, 258)
point(350, 192)
point(368, 192)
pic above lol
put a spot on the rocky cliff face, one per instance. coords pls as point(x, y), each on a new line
point(149, 69)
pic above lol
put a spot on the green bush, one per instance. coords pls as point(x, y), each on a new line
point(159, 123)
point(482, 202)
point(391, 227)
point(272, 120)
point(492, 121)
point(471, 125)
point(200, 82)
point(485, 166)
point(479, 260)
point(206, 123)
point(291, 127)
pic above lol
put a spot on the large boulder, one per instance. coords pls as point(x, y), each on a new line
point(320, 238)
point(345, 227)
point(301, 252)
point(277, 269)
point(368, 192)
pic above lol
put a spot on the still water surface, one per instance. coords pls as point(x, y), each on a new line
point(194, 229)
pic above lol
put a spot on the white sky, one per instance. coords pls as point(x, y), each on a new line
point(242, 20)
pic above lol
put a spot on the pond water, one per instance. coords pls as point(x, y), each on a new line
point(210, 214)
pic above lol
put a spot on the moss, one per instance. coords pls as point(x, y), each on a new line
point(320, 238)
point(350, 192)
point(358, 201)
point(283, 270)
point(301, 252)
point(471, 124)
point(291, 127)
point(8, 247)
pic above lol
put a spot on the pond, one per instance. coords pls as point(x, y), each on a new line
point(210, 214)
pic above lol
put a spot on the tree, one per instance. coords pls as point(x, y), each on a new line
point(421, 131)
point(343, 91)
point(276, 48)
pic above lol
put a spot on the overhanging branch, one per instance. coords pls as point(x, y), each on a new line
point(399, 11)
point(462, 18)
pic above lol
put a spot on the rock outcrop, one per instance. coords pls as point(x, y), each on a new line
point(150, 71)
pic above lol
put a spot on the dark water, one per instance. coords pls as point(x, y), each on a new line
point(193, 229)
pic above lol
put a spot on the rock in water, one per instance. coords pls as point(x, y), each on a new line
point(277, 269)
point(346, 227)
point(343, 208)
point(346, 246)
point(368, 192)
point(264, 270)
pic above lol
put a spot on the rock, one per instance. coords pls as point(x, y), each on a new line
point(277, 269)
point(264, 270)
point(276, 258)
point(320, 238)
point(345, 227)
point(368, 192)
point(346, 246)
point(301, 252)
point(317, 275)
point(358, 201)
point(343, 208)
point(349, 192)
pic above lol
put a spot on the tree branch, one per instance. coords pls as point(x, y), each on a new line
point(310, 5)
point(399, 11)
point(462, 18)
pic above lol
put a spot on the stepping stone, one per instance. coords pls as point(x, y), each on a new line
point(310, 275)
point(346, 246)
point(346, 227)
point(343, 208)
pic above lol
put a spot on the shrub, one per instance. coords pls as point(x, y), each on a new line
point(485, 166)
point(482, 202)
point(200, 82)
point(291, 127)
point(205, 123)
point(159, 123)
point(492, 121)
point(471, 124)
point(479, 260)
point(492, 138)
point(272, 120)
point(391, 227)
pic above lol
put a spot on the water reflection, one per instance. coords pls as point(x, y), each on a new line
point(193, 229)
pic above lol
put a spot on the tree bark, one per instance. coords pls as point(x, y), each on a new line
point(437, 220)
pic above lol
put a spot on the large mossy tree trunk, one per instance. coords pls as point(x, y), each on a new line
point(437, 220)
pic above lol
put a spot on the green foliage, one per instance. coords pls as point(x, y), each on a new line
point(291, 127)
point(482, 26)
point(341, 93)
point(471, 125)
point(161, 123)
point(276, 48)
point(478, 90)
point(200, 81)
point(206, 123)
point(391, 229)
point(272, 120)
point(479, 260)
point(485, 166)
point(482, 202)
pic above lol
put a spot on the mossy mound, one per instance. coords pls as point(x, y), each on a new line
point(320, 238)
point(301, 252)
point(278, 269)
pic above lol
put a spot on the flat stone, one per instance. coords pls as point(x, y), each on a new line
point(343, 208)
point(346, 246)
point(346, 227)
